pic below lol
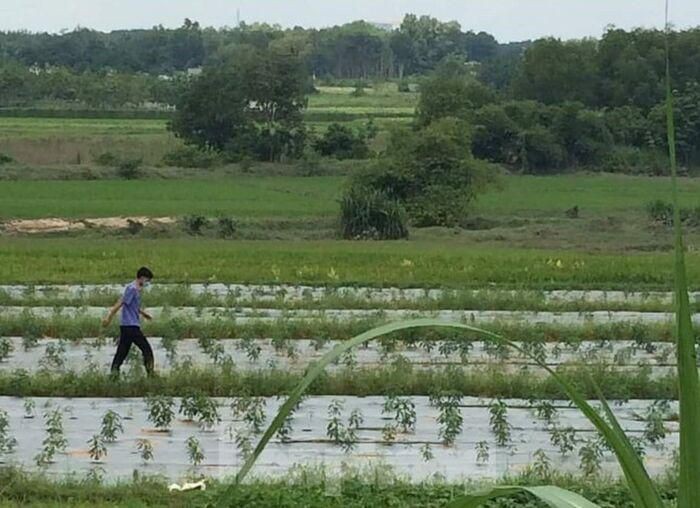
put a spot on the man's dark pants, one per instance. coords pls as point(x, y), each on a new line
point(132, 335)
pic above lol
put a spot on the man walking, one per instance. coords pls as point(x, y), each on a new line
point(130, 329)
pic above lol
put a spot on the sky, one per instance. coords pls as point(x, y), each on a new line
point(507, 20)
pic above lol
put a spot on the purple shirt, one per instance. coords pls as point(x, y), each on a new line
point(131, 303)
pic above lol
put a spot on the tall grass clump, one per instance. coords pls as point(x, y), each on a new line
point(642, 490)
point(367, 214)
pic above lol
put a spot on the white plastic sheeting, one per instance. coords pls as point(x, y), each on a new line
point(309, 444)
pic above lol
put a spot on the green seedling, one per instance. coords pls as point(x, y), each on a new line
point(7, 442)
point(97, 448)
point(499, 422)
point(195, 453)
point(160, 411)
point(482, 452)
point(111, 426)
point(144, 449)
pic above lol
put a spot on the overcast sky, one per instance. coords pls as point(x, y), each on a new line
point(508, 20)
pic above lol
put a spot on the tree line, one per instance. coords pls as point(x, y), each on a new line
point(131, 67)
point(354, 50)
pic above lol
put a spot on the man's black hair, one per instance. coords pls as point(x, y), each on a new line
point(144, 272)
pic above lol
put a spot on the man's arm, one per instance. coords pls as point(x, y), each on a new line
point(145, 314)
point(115, 308)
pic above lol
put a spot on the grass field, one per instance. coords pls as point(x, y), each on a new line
point(522, 196)
point(428, 263)
point(65, 141)
point(288, 197)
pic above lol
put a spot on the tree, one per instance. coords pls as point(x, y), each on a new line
point(433, 40)
point(451, 92)
point(495, 135)
point(343, 142)
point(430, 171)
point(250, 104)
point(582, 133)
point(553, 71)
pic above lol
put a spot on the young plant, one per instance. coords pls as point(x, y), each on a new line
point(564, 439)
point(97, 449)
point(450, 416)
point(251, 410)
point(54, 356)
point(29, 407)
point(7, 442)
point(654, 429)
point(54, 441)
point(591, 455)
point(426, 452)
point(252, 348)
point(244, 444)
point(482, 452)
point(404, 412)
point(6, 348)
point(545, 410)
point(195, 453)
point(542, 466)
point(499, 422)
point(144, 449)
point(160, 411)
point(111, 426)
point(285, 431)
point(389, 433)
point(336, 430)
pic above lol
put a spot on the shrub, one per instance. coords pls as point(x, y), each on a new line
point(227, 227)
point(359, 90)
point(190, 157)
point(662, 212)
point(309, 165)
point(5, 159)
point(540, 152)
point(129, 169)
point(194, 224)
point(134, 227)
point(342, 142)
point(632, 159)
point(431, 172)
point(107, 159)
point(404, 86)
point(369, 214)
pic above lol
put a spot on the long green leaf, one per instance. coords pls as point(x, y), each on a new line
point(689, 389)
point(553, 496)
point(644, 493)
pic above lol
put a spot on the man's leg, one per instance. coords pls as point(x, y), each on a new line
point(142, 343)
point(122, 351)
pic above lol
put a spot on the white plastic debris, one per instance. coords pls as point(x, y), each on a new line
point(200, 485)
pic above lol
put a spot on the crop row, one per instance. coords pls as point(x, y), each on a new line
point(251, 354)
point(172, 328)
point(476, 317)
point(399, 377)
point(416, 435)
point(298, 297)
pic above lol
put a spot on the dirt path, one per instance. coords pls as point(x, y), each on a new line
point(58, 225)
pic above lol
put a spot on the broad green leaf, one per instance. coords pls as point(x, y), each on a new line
point(643, 491)
point(689, 389)
point(554, 496)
